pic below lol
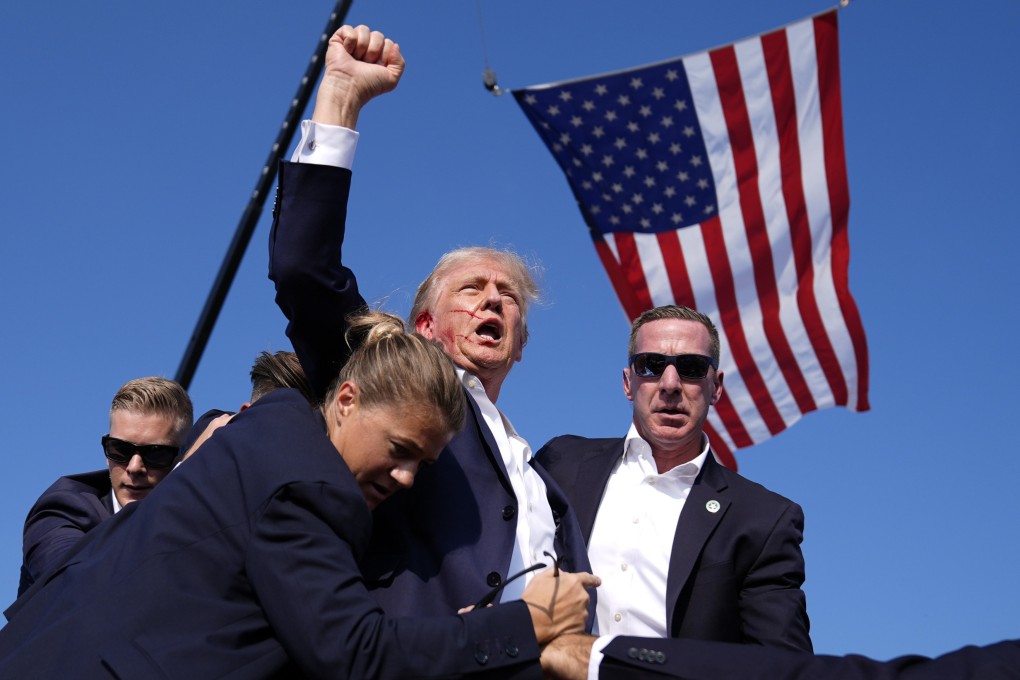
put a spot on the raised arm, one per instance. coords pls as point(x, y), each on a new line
point(313, 289)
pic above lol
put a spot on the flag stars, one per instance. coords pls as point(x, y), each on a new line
point(607, 160)
point(595, 209)
point(607, 198)
point(675, 148)
point(689, 131)
point(709, 209)
point(628, 172)
point(597, 132)
point(546, 126)
point(601, 89)
point(645, 111)
point(657, 208)
point(696, 161)
point(690, 201)
point(649, 182)
point(620, 143)
point(666, 122)
point(633, 127)
point(553, 110)
point(637, 199)
point(676, 218)
point(588, 105)
point(557, 147)
point(636, 83)
point(614, 220)
point(530, 99)
point(587, 186)
point(662, 166)
point(641, 154)
point(682, 176)
point(626, 208)
point(669, 192)
point(610, 115)
point(680, 105)
point(566, 96)
point(617, 188)
point(576, 121)
point(702, 183)
point(565, 138)
point(671, 75)
point(597, 176)
point(577, 162)
point(658, 93)
point(587, 150)
point(653, 138)
point(623, 100)
point(646, 223)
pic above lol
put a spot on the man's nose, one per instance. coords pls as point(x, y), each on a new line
point(669, 381)
point(136, 464)
point(493, 298)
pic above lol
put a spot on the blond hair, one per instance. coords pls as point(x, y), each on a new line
point(156, 396)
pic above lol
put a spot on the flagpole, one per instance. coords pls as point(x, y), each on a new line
point(250, 217)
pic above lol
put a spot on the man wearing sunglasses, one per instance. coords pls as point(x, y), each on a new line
point(148, 418)
point(685, 547)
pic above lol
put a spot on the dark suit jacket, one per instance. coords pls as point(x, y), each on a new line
point(735, 574)
point(444, 543)
point(71, 507)
point(628, 658)
point(243, 564)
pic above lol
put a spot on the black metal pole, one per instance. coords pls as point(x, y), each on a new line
point(250, 217)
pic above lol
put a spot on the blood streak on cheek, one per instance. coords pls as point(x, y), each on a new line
point(468, 312)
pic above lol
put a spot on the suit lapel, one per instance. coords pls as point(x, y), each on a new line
point(592, 478)
point(489, 442)
point(694, 528)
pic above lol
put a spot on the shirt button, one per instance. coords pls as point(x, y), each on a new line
point(636, 519)
point(471, 384)
point(312, 145)
point(623, 567)
point(493, 579)
point(617, 617)
point(509, 512)
point(651, 481)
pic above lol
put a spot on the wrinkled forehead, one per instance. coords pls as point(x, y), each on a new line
point(673, 336)
point(480, 270)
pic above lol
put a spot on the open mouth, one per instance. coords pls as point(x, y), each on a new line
point(490, 330)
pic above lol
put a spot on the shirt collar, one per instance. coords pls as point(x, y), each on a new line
point(636, 447)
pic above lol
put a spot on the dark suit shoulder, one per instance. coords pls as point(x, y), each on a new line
point(753, 490)
point(569, 448)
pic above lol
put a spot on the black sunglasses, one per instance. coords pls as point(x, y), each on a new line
point(690, 366)
point(153, 455)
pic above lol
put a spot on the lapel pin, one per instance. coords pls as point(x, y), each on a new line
point(712, 506)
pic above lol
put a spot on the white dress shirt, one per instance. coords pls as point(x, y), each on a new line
point(536, 529)
point(632, 539)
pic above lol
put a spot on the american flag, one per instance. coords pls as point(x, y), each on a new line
point(718, 181)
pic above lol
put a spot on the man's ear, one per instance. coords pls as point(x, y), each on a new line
point(626, 384)
point(717, 394)
point(424, 325)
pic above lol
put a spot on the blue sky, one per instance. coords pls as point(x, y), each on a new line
point(134, 133)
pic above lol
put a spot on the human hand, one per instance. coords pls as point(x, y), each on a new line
point(566, 657)
point(214, 424)
point(360, 64)
point(558, 603)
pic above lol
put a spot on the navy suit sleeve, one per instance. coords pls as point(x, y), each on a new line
point(306, 578)
point(313, 289)
point(701, 660)
point(773, 608)
point(55, 525)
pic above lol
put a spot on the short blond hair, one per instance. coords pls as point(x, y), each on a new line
point(156, 396)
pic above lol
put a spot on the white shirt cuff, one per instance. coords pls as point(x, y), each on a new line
point(323, 144)
point(596, 655)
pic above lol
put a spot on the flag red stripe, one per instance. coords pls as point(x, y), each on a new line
point(738, 126)
point(632, 307)
point(729, 315)
point(630, 264)
point(719, 447)
point(676, 268)
point(731, 420)
point(827, 48)
point(780, 73)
